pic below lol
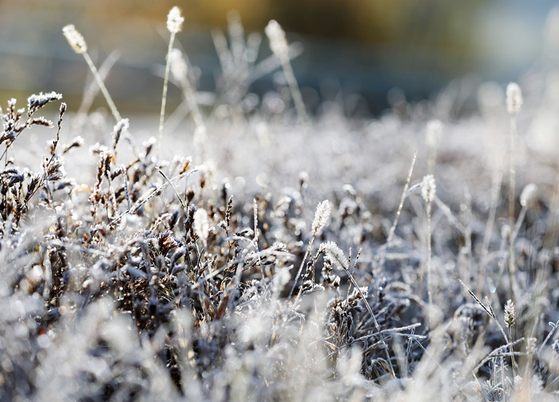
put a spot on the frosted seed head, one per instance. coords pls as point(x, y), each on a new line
point(335, 254)
point(201, 223)
point(428, 188)
point(35, 102)
point(321, 217)
point(514, 98)
point(276, 35)
point(174, 20)
point(528, 194)
point(510, 316)
point(75, 39)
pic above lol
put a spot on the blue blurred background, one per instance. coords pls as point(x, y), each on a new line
point(364, 47)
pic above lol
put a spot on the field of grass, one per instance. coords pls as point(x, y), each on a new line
point(248, 251)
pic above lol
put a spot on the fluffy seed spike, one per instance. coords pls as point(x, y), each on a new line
point(174, 20)
point(75, 39)
point(321, 217)
point(428, 188)
point(276, 35)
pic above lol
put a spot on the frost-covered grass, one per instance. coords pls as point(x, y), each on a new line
point(256, 254)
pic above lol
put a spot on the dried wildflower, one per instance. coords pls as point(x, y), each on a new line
point(321, 217)
point(41, 121)
point(514, 98)
point(528, 194)
point(428, 188)
point(174, 20)
point(276, 35)
point(75, 39)
point(35, 102)
point(510, 316)
point(119, 128)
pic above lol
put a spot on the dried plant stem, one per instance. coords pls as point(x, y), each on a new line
point(398, 213)
point(295, 92)
point(114, 111)
point(102, 86)
point(92, 90)
point(512, 174)
point(164, 95)
point(428, 262)
point(190, 97)
point(495, 191)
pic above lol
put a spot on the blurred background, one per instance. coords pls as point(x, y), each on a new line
point(373, 50)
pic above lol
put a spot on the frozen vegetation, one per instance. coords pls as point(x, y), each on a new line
point(249, 251)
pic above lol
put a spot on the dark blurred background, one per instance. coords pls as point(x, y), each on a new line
point(365, 47)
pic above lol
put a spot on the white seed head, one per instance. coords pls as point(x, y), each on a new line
point(278, 42)
point(174, 20)
point(428, 188)
point(528, 194)
point(75, 39)
point(201, 224)
point(510, 316)
point(335, 254)
point(514, 98)
point(434, 133)
point(321, 217)
point(179, 68)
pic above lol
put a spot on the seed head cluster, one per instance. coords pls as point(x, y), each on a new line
point(174, 20)
point(75, 39)
point(428, 188)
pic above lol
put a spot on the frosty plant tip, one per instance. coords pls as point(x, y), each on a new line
point(174, 20)
point(321, 217)
point(514, 98)
point(75, 39)
point(278, 44)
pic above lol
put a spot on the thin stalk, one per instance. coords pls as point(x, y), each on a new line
point(495, 190)
point(190, 97)
point(164, 95)
point(102, 87)
point(512, 174)
point(295, 92)
point(429, 279)
point(114, 111)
